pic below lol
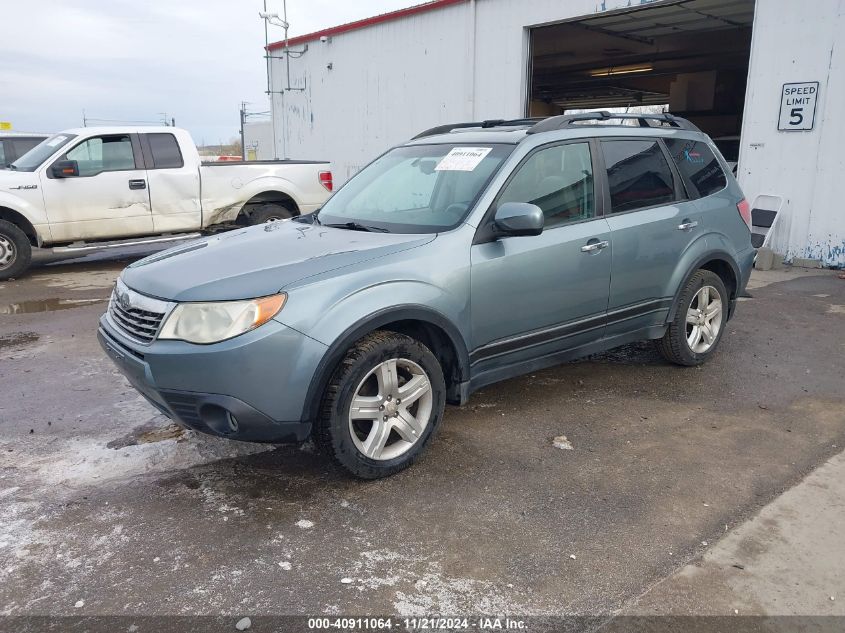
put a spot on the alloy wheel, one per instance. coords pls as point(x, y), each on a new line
point(704, 319)
point(390, 409)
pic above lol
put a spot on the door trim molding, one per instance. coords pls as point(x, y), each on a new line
point(563, 331)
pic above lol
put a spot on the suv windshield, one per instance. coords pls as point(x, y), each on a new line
point(415, 189)
point(41, 152)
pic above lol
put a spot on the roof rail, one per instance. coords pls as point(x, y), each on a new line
point(567, 120)
point(489, 123)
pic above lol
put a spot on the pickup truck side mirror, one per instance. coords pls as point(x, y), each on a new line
point(65, 169)
point(518, 218)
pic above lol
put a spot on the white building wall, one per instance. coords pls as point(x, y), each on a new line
point(258, 138)
point(468, 61)
point(386, 83)
point(798, 42)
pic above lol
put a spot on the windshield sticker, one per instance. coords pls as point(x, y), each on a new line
point(463, 158)
point(55, 141)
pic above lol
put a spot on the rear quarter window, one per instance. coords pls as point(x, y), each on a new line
point(698, 165)
point(165, 151)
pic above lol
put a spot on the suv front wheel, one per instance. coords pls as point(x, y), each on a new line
point(699, 322)
point(382, 405)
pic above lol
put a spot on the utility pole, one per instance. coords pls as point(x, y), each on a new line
point(243, 120)
point(269, 81)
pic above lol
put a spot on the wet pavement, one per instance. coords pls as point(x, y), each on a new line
point(104, 503)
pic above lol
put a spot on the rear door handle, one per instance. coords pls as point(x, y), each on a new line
point(592, 247)
point(138, 184)
point(687, 225)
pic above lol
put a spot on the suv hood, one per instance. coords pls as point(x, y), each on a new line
point(258, 261)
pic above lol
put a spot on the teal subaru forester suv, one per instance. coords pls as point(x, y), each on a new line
point(471, 254)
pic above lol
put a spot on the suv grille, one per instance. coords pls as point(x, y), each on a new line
point(136, 315)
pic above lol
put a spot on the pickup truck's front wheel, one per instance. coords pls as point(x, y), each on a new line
point(15, 251)
point(269, 212)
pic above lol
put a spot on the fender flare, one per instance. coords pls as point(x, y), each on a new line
point(710, 256)
point(17, 213)
point(372, 322)
point(263, 185)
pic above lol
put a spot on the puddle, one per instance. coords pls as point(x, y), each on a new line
point(45, 305)
point(91, 277)
point(17, 339)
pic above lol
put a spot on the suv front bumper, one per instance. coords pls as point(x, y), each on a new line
point(251, 388)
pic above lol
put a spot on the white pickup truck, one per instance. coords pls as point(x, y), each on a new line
point(96, 188)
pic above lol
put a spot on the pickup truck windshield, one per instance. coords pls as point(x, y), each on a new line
point(41, 152)
point(415, 189)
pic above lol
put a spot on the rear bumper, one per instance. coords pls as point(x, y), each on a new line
point(745, 261)
point(746, 264)
point(251, 388)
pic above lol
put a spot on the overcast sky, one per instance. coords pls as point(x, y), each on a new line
point(133, 60)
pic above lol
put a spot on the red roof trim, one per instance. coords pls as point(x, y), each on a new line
point(360, 24)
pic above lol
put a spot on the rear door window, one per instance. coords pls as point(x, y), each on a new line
point(165, 151)
point(698, 165)
point(638, 174)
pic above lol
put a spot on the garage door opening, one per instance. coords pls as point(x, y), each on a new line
point(688, 57)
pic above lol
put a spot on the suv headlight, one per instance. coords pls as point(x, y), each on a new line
point(214, 322)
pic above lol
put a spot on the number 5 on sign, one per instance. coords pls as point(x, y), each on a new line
point(798, 106)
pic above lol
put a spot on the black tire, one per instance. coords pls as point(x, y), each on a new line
point(333, 430)
point(268, 212)
point(15, 251)
point(674, 345)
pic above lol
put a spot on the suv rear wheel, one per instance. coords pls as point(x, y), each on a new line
point(699, 323)
point(382, 405)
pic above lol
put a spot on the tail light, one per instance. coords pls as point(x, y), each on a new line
point(744, 211)
point(326, 179)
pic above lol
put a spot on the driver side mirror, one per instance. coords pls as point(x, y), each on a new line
point(65, 169)
point(518, 218)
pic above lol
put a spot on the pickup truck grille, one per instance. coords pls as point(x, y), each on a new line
point(136, 315)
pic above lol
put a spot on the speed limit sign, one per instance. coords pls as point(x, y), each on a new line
point(798, 106)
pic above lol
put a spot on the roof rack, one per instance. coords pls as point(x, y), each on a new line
point(567, 120)
point(490, 123)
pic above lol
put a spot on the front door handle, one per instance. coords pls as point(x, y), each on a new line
point(592, 247)
point(138, 184)
point(687, 225)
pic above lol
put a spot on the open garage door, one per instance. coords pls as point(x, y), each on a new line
point(689, 56)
